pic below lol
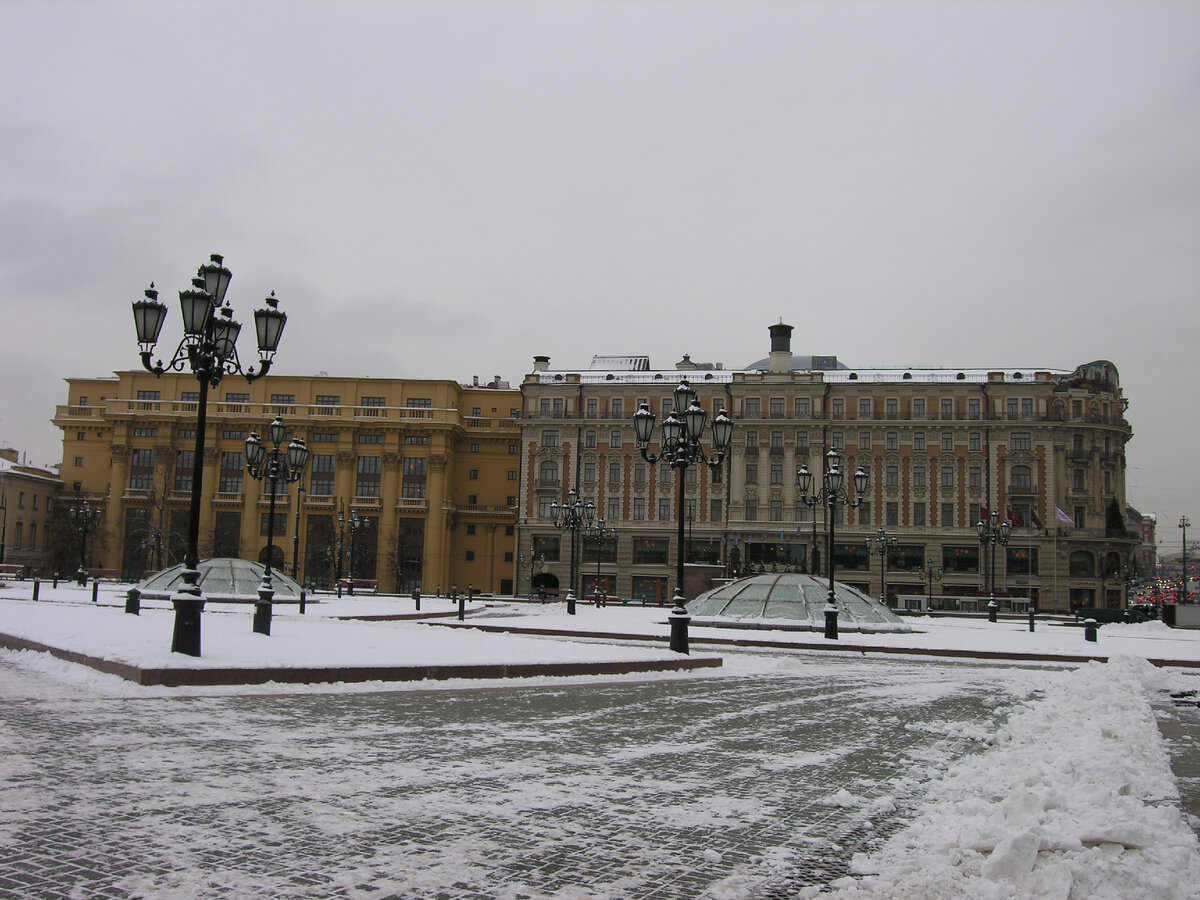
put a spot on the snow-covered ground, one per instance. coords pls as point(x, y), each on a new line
point(1072, 796)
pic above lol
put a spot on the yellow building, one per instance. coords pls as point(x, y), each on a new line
point(430, 465)
point(26, 515)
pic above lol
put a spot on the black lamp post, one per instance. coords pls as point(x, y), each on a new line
point(296, 538)
point(886, 548)
point(209, 350)
point(1184, 522)
point(601, 536)
point(991, 534)
point(3, 525)
point(832, 492)
point(534, 559)
point(84, 517)
point(573, 516)
point(682, 430)
point(275, 468)
point(358, 525)
point(930, 574)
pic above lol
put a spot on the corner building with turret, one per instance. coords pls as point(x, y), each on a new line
point(1043, 449)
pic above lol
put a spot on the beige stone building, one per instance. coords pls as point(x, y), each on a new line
point(1043, 448)
point(27, 515)
point(432, 466)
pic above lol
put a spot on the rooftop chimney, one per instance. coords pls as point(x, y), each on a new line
point(781, 349)
point(541, 364)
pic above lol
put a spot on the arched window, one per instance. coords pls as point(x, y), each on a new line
point(1082, 564)
point(1022, 478)
point(548, 472)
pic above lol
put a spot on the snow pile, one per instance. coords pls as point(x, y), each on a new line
point(1074, 798)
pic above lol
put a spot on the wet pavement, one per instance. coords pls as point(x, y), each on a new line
point(757, 782)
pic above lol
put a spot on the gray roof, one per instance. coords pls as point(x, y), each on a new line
point(224, 578)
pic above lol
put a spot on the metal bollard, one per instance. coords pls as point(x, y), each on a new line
point(679, 632)
point(1031, 618)
point(95, 590)
point(37, 586)
point(462, 602)
point(133, 602)
point(570, 602)
point(56, 581)
point(417, 598)
point(993, 609)
point(1089, 630)
point(303, 594)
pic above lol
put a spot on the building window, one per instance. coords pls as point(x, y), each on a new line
point(513, 449)
point(549, 438)
point(283, 403)
point(148, 398)
point(891, 512)
point(639, 509)
point(974, 442)
point(891, 407)
point(777, 407)
point(864, 440)
point(1020, 440)
point(650, 551)
point(1022, 477)
point(473, 474)
point(614, 473)
point(372, 405)
point(918, 408)
point(413, 440)
point(1011, 407)
point(322, 466)
point(470, 555)
point(664, 509)
point(892, 441)
point(589, 473)
point(775, 512)
point(947, 515)
point(975, 477)
point(80, 435)
point(919, 515)
point(548, 472)
point(714, 510)
point(184, 463)
point(802, 407)
point(751, 510)
point(589, 439)
point(616, 408)
point(752, 440)
point(367, 482)
point(947, 477)
point(751, 473)
point(370, 438)
point(864, 407)
point(1080, 517)
point(947, 440)
point(947, 408)
point(839, 408)
point(326, 437)
point(141, 471)
point(777, 439)
point(236, 400)
point(753, 408)
point(614, 439)
point(614, 509)
point(326, 401)
point(79, 462)
point(414, 478)
point(776, 473)
point(1077, 479)
point(838, 441)
point(918, 476)
point(419, 403)
point(891, 476)
point(919, 441)
point(230, 478)
point(280, 529)
point(973, 408)
point(145, 431)
point(801, 440)
point(233, 434)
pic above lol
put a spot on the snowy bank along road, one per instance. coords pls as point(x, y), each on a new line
point(779, 776)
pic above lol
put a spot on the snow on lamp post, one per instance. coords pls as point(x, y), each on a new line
point(682, 430)
point(209, 350)
point(832, 492)
point(275, 468)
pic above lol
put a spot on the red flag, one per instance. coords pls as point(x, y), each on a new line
point(1013, 517)
point(984, 513)
point(1037, 523)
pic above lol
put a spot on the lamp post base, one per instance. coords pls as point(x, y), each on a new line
point(993, 609)
point(262, 608)
point(831, 622)
point(188, 603)
point(679, 620)
point(570, 603)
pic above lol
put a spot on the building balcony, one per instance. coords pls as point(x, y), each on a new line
point(412, 504)
point(1022, 490)
point(229, 498)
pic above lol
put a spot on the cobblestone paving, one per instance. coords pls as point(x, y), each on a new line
point(663, 789)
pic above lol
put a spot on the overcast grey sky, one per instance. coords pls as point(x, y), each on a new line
point(447, 189)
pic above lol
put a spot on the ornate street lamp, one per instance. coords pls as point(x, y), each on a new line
point(573, 516)
point(296, 542)
point(533, 560)
point(601, 536)
point(833, 492)
point(886, 548)
point(209, 350)
point(275, 468)
point(930, 574)
point(358, 525)
point(682, 431)
point(991, 534)
point(84, 517)
point(1184, 522)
